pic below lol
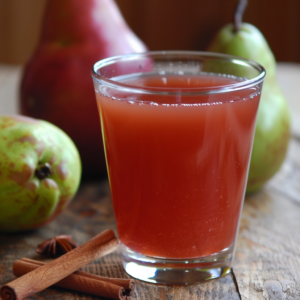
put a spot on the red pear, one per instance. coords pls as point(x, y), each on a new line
point(57, 84)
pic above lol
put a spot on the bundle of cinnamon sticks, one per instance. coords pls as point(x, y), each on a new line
point(62, 272)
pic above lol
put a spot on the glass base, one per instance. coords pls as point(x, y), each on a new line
point(176, 271)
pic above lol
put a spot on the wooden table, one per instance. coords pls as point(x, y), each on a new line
point(267, 261)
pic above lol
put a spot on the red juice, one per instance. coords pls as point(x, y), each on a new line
point(178, 163)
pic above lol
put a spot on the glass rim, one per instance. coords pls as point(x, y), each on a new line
point(240, 85)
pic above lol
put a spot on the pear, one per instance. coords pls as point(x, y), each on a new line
point(272, 132)
point(57, 85)
point(40, 172)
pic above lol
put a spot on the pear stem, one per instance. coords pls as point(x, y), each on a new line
point(238, 14)
point(43, 171)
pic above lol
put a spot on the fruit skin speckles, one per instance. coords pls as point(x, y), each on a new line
point(40, 171)
point(22, 176)
point(62, 170)
point(26, 138)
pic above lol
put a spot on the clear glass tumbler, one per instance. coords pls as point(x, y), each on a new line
point(178, 129)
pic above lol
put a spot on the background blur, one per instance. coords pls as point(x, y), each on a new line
point(163, 24)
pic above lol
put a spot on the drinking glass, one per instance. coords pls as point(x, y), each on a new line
point(177, 128)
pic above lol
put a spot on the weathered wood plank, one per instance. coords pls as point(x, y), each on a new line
point(223, 288)
point(267, 262)
point(287, 181)
point(90, 213)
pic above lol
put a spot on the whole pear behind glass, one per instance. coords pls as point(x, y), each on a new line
point(272, 132)
point(56, 84)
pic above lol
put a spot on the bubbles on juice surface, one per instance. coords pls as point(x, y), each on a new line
point(183, 89)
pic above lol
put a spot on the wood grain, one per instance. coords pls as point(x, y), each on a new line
point(267, 262)
point(191, 25)
point(20, 22)
point(162, 25)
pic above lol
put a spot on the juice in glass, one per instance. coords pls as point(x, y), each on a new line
point(177, 158)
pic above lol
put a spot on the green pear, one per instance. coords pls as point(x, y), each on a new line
point(40, 172)
point(273, 120)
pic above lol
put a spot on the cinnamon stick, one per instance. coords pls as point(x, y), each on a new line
point(19, 269)
point(79, 283)
point(51, 273)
